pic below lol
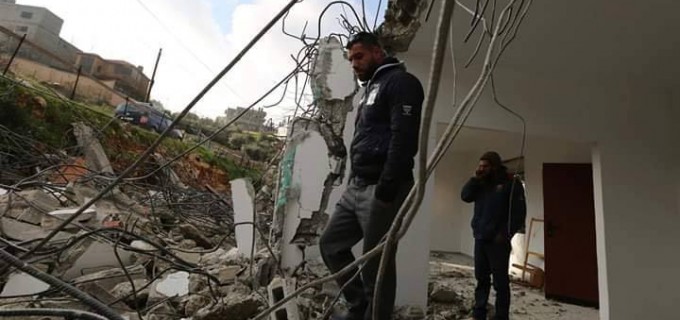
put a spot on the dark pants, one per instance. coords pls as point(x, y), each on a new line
point(358, 215)
point(492, 257)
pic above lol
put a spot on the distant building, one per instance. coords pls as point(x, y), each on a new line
point(252, 120)
point(42, 28)
point(122, 76)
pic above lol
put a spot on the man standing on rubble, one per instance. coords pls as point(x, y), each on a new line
point(500, 210)
point(385, 141)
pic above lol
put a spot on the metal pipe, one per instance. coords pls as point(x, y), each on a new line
point(75, 85)
point(14, 54)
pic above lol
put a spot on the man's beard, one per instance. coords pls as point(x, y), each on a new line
point(368, 75)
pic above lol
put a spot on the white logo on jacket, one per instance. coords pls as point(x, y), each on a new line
point(407, 109)
point(370, 100)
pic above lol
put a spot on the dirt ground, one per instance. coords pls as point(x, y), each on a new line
point(452, 287)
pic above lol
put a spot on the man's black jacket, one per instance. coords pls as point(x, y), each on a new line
point(386, 129)
point(500, 207)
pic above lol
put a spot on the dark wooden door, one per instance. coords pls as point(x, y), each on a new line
point(570, 248)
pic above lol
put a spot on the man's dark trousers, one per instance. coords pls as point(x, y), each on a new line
point(358, 215)
point(492, 257)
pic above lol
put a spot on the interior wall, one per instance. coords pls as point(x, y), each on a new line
point(451, 219)
point(450, 226)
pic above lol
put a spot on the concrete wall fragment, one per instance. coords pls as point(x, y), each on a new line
point(402, 22)
point(243, 196)
point(308, 177)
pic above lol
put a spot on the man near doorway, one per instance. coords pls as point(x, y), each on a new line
point(382, 150)
point(500, 211)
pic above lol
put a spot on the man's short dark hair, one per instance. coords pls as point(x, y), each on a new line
point(368, 39)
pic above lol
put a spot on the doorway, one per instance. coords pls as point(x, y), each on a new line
point(569, 229)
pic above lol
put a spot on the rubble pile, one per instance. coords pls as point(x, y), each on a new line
point(452, 291)
point(148, 250)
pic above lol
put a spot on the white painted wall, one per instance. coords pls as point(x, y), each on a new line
point(632, 123)
point(451, 222)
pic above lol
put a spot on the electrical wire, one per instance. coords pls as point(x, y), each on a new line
point(41, 312)
point(63, 286)
point(155, 144)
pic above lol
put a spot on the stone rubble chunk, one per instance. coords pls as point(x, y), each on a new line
point(236, 306)
point(191, 232)
point(444, 293)
point(124, 290)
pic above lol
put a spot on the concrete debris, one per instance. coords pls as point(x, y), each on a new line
point(452, 290)
point(174, 285)
point(94, 152)
point(226, 274)
point(237, 306)
point(443, 293)
point(278, 289)
point(95, 257)
point(19, 284)
point(191, 232)
point(125, 292)
point(27, 206)
point(402, 22)
point(54, 218)
point(195, 303)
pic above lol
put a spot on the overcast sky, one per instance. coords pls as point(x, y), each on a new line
point(199, 38)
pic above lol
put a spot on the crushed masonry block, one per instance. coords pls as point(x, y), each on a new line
point(190, 257)
point(239, 304)
point(54, 218)
point(243, 196)
point(226, 274)
point(109, 278)
point(402, 22)
point(309, 179)
point(103, 295)
point(279, 289)
point(28, 206)
point(94, 152)
point(172, 285)
point(191, 232)
point(96, 257)
point(170, 174)
point(22, 231)
point(123, 290)
point(20, 283)
point(142, 245)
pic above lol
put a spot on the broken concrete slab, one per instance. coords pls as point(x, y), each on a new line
point(221, 256)
point(174, 284)
point(103, 295)
point(171, 285)
point(226, 274)
point(194, 303)
point(28, 206)
point(402, 22)
point(96, 257)
point(54, 218)
point(190, 257)
point(163, 311)
point(109, 278)
point(124, 291)
point(243, 196)
point(22, 231)
point(237, 306)
point(20, 283)
point(191, 232)
point(211, 258)
point(94, 152)
point(444, 293)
